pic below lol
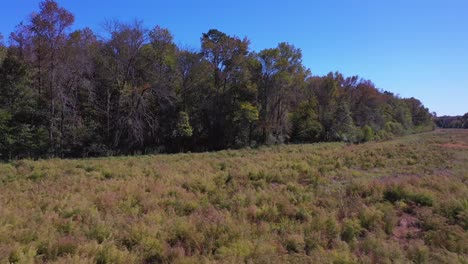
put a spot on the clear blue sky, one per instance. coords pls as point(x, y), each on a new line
point(413, 48)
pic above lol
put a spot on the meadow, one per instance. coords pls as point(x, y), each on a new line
point(399, 201)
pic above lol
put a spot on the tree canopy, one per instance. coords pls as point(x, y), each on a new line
point(66, 93)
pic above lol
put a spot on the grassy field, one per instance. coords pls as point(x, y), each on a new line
point(400, 201)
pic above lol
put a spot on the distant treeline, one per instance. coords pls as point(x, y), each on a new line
point(452, 121)
point(70, 93)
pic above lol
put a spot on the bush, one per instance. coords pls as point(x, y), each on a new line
point(421, 199)
point(110, 254)
point(418, 253)
point(394, 128)
point(37, 175)
point(394, 194)
point(381, 251)
point(99, 232)
point(383, 135)
point(294, 244)
point(351, 229)
point(240, 248)
point(367, 134)
point(370, 218)
point(397, 193)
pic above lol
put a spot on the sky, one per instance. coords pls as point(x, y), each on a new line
point(412, 48)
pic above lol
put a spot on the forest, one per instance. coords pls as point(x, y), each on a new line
point(71, 93)
point(452, 121)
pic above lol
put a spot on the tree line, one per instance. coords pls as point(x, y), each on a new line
point(452, 121)
point(67, 93)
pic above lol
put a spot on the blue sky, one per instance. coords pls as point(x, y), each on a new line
point(413, 48)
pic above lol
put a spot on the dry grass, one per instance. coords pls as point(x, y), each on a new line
point(403, 201)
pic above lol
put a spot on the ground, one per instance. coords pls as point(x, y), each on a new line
point(403, 200)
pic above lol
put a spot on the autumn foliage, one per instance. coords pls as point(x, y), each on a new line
point(67, 93)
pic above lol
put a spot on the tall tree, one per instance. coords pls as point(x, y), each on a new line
point(193, 93)
point(21, 135)
point(193, 76)
point(122, 85)
point(41, 42)
point(226, 56)
point(420, 115)
point(134, 91)
point(283, 78)
point(327, 92)
point(137, 71)
point(77, 94)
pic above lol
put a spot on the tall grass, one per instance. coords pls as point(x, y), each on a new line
point(401, 201)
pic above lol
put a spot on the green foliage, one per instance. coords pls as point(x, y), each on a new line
point(111, 254)
point(243, 248)
point(183, 127)
point(370, 218)
point(305, 123)
point(419, 253)
point(6, 139)
point(351, 230)
point(136, 92)
point(99, 232)
point(452, 121)
point(343, 128)
point(247, 112)
point(367, 134)
point(294, 244)
point(394, 128)
point(397, 193)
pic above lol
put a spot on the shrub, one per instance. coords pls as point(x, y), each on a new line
point(418, 253)
point(394, 128)
point(14, 257)
point(383, 135)
point(240, 248)
point(397, 193)
point(381, 251)
point(294, 243)
point(268, 213)
point(389, 219)
point(331, 230)
point(37, 175)
point(421, 199)
point(351, 229)
point(110, 254)
point(367, 134)
point(370, 218)
point(107, 175)
point(184, 234)
point(99, 232)
point(394, 194)
point(64, 246)
point(456, 211)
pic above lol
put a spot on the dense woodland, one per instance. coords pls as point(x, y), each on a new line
point(452, 121)
point(67, 93)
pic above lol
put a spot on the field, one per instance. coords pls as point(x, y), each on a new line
point(399, 201)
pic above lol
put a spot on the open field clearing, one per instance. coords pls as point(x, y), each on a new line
point(399, 201)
